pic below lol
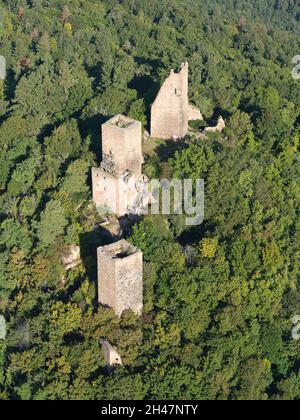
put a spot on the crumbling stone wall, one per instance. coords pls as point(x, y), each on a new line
point(170, 111)
point(195, 114)
point(119, 195)
point(120, 277)
point(218, 128)
point(111, 355)
point(106, 190)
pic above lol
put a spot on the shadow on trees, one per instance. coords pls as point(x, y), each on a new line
point(147, 85)
point(89, 243)
point(168, 149)
point(193, 235)
point(91, 127)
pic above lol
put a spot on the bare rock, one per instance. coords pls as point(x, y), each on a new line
point(70, 257)
point(111, 230)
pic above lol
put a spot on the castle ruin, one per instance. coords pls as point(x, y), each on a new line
point(120, 277)
point(171, 111)
point(118, 188)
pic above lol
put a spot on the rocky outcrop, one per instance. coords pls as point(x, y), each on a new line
point(70, 257)
point(112, 229)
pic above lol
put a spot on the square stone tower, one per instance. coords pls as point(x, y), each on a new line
point(122, 145)
point(120, 277)
point(114, 183)
point(170, 110)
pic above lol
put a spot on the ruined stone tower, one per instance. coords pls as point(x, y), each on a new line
point(120, 277)
point(121, 164)
point(169, 113)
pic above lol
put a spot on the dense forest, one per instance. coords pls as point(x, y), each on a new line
point(219, 298)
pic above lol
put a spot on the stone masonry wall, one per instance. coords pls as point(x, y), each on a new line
point(122, 160)
point(129, 285)
point(106, 190)
point(218, 128)
point(106, 279)
point(120, 277)
point(111, 355)
point(170, 111)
